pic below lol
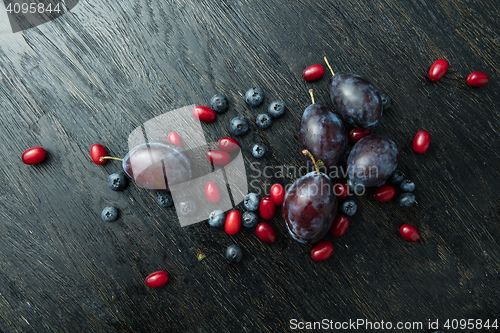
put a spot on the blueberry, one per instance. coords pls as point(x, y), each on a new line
point(406, 200)
point(251, 202)
point(254, 97)
point(219, 103)
point(239, 126)
point(234, 253)
point(109, 214)
point(386, 101)
point(356, 189)
point(249, 219)
point(216, 218)
point(165, 199)
point(117, 181)
point(407, 186)
point(258, 150)
point(264, 120)
point(276, 109)
point(397, 177)
point(187, 206)
point(349, 207)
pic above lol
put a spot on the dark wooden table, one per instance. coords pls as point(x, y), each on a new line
point(102, 69)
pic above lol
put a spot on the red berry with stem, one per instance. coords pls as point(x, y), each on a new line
point(156, 279)
point(218, 157)
point(267, 208)
point(205, 114)
point(313, 72)
point(438, 70)
point(409, 232)
point(266, 233)
point(357, 134)
point(212, 192)
point(34, 155)
point(97, 153)
point(175, 139)
point(340, 190)
point(421, 141)
point(229, 145)
point(477, 79)
point(232, 224)
point(322, 251)
point(384, 193)
point(277, 194)
point(340, 225)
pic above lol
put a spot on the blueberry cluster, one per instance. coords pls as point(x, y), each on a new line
point(249, 219)
point(117, 181)
point(407, 186)
point(239, 125)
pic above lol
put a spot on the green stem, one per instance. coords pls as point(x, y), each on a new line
point(306, 152)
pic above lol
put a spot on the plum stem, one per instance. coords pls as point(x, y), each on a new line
point(311, 94)
point(306, 152)
point(329, 67)
point(110, 158)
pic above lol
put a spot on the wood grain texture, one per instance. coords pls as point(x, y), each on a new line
point(98, 72)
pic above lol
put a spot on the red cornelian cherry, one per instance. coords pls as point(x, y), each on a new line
point(212, 192)
point(409, 232)
point(34, 155)
point(232, 225)
point(204, 113)
point(218, 157)
point(340, 190)
point(421, 141)
point(175, 139)
point(267, 208)
point(339, 225)
point(97, 152)
point(477, 79)
point(438, 70)
point(357, 134)
point(156, 279)
point(313, 72)
point(277, 194)
point(229, 145)
point(266, 233)
point(384, 193)
point(322, 251)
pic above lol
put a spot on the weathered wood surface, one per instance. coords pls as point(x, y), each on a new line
point(98, 72)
